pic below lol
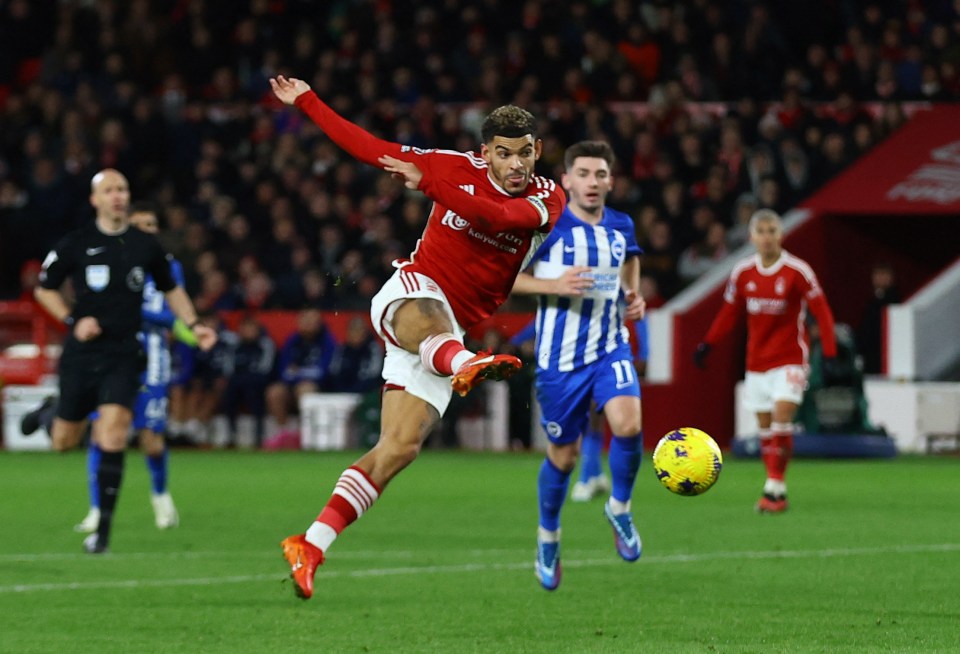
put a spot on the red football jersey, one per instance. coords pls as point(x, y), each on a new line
point(775, 300)
point(477, 234)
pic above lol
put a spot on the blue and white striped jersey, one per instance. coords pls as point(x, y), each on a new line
point(575, 331)
point(157, 321)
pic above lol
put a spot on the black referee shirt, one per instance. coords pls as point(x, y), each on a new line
point(108, 272)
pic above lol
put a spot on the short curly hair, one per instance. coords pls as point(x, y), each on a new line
point(510, 121)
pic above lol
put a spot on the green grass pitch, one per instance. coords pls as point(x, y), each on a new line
point(866, 560)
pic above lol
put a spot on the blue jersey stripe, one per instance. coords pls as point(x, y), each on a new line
point(583, 333)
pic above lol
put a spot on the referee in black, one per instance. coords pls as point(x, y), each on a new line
point(107, 262)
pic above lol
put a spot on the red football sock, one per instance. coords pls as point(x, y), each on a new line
point(784, 445)
point(770, 453)
point(354, 493)
point(437, 353)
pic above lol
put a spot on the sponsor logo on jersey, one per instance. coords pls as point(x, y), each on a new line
point(453, 221)
point(770, 306)
point(97, 277)
point(469, 188)
point(92, 252)
point(135, 279)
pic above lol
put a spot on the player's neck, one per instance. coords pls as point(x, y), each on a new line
point(112, 226)
point(586, 215)
point(768, 260)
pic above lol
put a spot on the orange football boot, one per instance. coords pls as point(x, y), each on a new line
point(304, 558)
point(484, 366)
point(770, 504)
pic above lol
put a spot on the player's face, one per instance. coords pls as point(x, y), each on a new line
point(511, 161)
point(766, 236)
point(145, 221)
point(588, 182)
point(110, 194)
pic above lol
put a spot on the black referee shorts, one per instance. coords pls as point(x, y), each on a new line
point(88, 383)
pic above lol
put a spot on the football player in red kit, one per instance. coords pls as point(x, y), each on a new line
point(488, 210)
point(774, 289)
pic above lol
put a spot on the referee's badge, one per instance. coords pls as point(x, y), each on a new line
point(135, 279)
point(98, 277)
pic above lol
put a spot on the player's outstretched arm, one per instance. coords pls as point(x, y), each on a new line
point(360, 143)
point(531, 212)
point(569, 284)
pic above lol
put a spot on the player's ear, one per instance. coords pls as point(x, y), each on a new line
point(485, 152)
point(565, 181)
point(537, 148)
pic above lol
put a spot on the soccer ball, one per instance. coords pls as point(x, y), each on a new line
point(687, 461)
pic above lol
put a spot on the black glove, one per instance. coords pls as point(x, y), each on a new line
point(700, 355)
point(832, 372)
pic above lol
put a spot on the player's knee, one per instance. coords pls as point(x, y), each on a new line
point(627, 426)
point(152, 444)
point(563, 457)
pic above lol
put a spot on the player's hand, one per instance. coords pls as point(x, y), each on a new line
point(87, 329)
point(700, 355)
point(636, 305)
point(206, 337)
point(572, 282)
point(403, 170)
point(288, 90)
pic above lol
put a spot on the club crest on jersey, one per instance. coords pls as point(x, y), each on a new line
point(135, 279)
point(554, 430)
point(97, 277)
point(779, 286)
point(453, 221)
point(616, 250)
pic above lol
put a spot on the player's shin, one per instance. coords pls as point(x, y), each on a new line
point(109, 478)
point(626, 453)
point(353, 496)
point(552, 489)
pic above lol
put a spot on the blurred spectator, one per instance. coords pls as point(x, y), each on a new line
point(870, 332)
point(303, 366)
point(206, 384)
point(357, 362)
point(248, 364)
point(704, 254)
point(176, 95)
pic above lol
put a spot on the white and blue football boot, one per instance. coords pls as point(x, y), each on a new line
point(548, 564)
point(625, 534)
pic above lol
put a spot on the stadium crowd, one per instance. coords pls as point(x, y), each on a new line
point(714, 109)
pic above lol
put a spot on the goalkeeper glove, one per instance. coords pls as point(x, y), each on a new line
point(183, 333)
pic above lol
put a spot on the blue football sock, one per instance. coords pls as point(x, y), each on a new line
point(552, 484)
point(591, 449)
point(157, 465)
point(625, 456)
point(94, 454)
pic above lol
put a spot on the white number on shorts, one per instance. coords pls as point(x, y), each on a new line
point(156, 408)
point(623, 369)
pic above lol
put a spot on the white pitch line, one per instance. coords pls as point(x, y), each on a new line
point(485, 567)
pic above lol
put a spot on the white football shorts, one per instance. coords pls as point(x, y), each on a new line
point(402, 369)
point(784, 384)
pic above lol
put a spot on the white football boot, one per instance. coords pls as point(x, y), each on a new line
point(164, 511)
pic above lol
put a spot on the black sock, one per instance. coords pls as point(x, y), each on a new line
point(109, 476)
